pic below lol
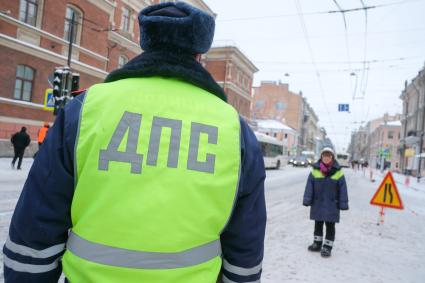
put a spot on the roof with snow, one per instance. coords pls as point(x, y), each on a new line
point(394, 123)
point(273, 124)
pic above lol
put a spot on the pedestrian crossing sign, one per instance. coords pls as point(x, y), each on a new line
point(49, 100)
point(387, 194)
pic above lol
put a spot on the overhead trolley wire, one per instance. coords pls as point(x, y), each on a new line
point(305, 32)
point(319, 12)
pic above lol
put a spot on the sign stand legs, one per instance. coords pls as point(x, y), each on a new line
point(381, 217)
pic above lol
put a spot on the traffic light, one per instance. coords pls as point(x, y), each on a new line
point(61, 87)
point(64, 83)
point(75, 82)
point(57, 83)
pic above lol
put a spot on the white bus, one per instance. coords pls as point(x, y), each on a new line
point(273, 151)
point(343, 159)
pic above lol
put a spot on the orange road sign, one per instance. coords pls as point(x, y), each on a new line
point(387, 194)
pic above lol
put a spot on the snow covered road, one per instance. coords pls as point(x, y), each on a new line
point(363, 252)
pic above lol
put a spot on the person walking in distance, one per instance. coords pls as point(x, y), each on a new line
point(20, 141)
point(326, 193)
point(42, 134)
point(149, 177)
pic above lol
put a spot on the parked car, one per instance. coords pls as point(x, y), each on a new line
point(300, 161)
point(291, 160)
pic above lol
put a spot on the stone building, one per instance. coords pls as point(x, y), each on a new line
point(413, 125)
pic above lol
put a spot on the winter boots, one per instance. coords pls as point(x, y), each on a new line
point(326, 249)
point(317, 244)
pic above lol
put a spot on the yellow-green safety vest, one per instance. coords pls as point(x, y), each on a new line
point(157, 165)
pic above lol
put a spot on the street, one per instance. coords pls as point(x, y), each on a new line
point(363, 251)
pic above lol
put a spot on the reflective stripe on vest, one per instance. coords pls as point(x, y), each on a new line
point(137, 259)
point(317, 174)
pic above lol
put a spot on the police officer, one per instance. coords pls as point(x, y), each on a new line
point(148, 177)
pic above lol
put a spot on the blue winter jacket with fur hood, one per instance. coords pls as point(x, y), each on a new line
point(326, 195)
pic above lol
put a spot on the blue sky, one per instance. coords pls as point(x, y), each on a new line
point(326, 61)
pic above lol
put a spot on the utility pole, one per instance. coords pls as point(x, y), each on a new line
point(71, 37)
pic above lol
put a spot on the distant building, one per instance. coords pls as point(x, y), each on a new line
point(384, 141)
point(234, 72)
point(379, 138)
point(413, 124)
point(274, 100)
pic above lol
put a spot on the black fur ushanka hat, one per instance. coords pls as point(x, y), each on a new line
point(176, 26)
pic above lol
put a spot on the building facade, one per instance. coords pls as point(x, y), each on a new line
point(34, 39)
point(384, 141)
point(413, 125)
point(274, 100)
point(234, 72)
point(378, 142)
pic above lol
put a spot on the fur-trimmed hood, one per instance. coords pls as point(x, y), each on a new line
point(165, 64)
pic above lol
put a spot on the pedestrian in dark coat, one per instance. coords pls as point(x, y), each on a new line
point(326, 194)
point(20, 141)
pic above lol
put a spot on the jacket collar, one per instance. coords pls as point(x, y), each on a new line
point(335, 167)
point(165, 64)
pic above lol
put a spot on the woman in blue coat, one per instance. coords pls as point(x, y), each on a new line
point(326, 194)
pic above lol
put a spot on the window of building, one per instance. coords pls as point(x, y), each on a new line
point(28, 11)
point(286, 136)
point(280, 105)
point(23, 83)
point(125, 19)
point(390, 134)
point(259, 104)
point(68, 20)
point(274, 134)
point(122, 60)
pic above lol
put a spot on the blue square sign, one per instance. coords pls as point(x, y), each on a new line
point(49, 100)
point(344, 107)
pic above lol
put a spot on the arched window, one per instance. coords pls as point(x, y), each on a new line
point(28, 11)
point(122, 60)
point(78, 19)
point(23, 83)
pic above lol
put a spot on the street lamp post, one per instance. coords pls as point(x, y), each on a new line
point(420, 153)
point(355, 86)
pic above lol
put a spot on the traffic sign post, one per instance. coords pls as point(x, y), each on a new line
point(49, 100)
point(387, 196)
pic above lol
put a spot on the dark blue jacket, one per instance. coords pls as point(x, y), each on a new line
point(41, 219)
point(326, 195)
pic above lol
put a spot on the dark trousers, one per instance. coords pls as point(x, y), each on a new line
point(330, 230)
point(19, 153)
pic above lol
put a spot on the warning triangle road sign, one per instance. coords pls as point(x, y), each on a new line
point(387, 194)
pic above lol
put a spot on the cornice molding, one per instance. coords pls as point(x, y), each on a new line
point(45, 34)
point(44, 54)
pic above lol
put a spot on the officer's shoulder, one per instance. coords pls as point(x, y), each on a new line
point(78, 92)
